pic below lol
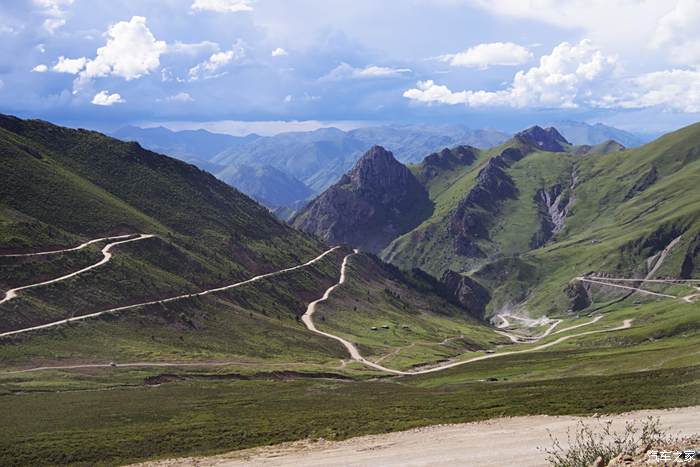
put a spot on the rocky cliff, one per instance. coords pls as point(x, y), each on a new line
point(378, 200)
point(544, 139)
point(467, 292)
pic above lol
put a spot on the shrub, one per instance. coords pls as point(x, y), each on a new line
point(588, 442)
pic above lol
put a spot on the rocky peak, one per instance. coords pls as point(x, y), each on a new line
point(376, 170)
point(450, 158)
point(446, 160)
point(378, 200)
point(545, 139)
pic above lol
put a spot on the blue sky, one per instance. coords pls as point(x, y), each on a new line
point(501, 64)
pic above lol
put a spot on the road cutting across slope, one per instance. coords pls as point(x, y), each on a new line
point(168, 300)
point(625, 287)
point(106, 257)
point(352, 349)
point(65, 250)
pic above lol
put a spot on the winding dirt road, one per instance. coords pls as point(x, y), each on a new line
point(106, 257)
point(626, 287)
point(79, 247)
point(518, 338)
point(307, 319)
point(170, 299)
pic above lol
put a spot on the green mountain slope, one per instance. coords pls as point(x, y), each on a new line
point(63, 187)
point(527, 217)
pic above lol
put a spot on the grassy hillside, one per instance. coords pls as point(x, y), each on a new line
point(65, 186)
point(237, 368)
point(205, 410)
point(401, 319)
point(618, 209)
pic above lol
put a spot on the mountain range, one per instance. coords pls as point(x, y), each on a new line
point(186, 232)
point(151, 310)
point(515, 218)
point(318, 158)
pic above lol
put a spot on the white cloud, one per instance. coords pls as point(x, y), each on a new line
point(40, 68)
point(55, 12)
point(679, 31)
point(104, 98)
point(288, 98)
point(210, 68)
point(623, 25)
point(52, 24)
point(345, 71)
point(222, 6)
point(485, 55)
point(566, 78)
point(279, 52)
point(131, 52)
point(672, 89)
point(69, 65)
point(180, 97)
point(194, 48)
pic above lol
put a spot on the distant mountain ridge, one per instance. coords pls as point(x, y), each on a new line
point(266, 184)
point(579, 133)
point(319, 158)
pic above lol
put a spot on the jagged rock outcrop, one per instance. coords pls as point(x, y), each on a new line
point(544, 139)
point(445, 160)
point(643, 183)
point(553, 205)
point(467, 292)
point(469, 222)
point(579, 296)
point(378, 200)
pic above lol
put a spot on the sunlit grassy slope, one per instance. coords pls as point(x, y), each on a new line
point(626, 207)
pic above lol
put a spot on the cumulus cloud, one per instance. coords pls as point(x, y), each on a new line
point(131, 52)
point(672, 89)
point(222, 6)
point(212, 66)
point(565, 78)
point(485, 55)
point(279, 52)
point(40, 68)
point(346, 71)
point(180, 97)
point(104, 98)
point(69, 65)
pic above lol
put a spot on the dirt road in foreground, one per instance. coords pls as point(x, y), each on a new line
point(496, 442)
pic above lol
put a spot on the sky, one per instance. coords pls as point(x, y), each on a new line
point(241, 65)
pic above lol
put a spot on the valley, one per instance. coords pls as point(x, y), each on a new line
point(477, 283)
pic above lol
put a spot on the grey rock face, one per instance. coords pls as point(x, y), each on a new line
point(467, 292)
point(378, 200)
